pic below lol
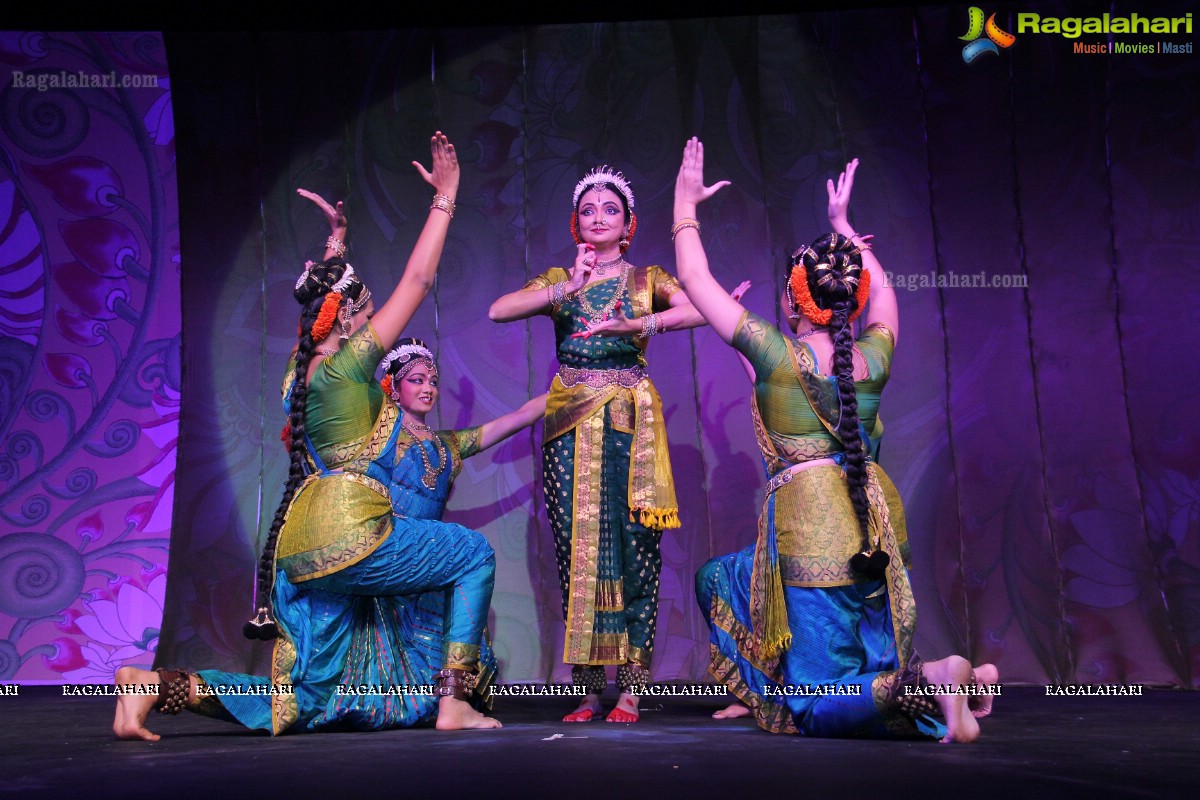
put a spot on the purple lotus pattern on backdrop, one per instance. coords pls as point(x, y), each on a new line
point(89, 356)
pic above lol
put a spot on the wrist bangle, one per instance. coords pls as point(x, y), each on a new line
point(336, 245)
point(650, 326)
point(558, 295)
point(684, 222)
point(444, 203)
point(861, 244)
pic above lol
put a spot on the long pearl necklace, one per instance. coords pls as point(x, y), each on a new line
point(414, 429)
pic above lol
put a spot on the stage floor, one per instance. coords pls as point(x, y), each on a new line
point(1032, 747)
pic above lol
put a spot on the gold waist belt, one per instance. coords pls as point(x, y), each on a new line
point(601, 378)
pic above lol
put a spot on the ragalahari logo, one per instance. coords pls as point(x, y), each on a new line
point(976, 27)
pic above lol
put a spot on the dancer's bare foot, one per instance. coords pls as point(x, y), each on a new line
point(732, 711)
point(626, 709)
point(457, 715)
point(589, 709)
point(951, 673)
point(981, 704)
point(133, 708)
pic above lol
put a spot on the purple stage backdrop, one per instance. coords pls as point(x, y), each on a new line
point(1042, 440)
point(89, 352)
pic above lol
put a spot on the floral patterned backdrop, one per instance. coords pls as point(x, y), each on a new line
point(89, 352)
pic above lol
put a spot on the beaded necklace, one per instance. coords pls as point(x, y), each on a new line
point(431, 472)
point(807, 334)
point(605, 311)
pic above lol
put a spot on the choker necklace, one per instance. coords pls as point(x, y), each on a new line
point(807, 334)
point(429, 479)
point(326, 351)
point(603, 266)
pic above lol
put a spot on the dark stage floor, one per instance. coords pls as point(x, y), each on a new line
point(1032, 747)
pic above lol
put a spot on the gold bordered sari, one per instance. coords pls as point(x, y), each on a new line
point(607, 474)
point(373, 593)
point(789, 612)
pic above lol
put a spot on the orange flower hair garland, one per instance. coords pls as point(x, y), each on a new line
point(325, 318)
point(808, 306)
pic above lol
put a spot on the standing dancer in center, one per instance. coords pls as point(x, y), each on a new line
point(606, 472)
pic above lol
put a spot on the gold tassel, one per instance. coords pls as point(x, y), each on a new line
point(656, 518)
point(775, 636)
point(768, 607)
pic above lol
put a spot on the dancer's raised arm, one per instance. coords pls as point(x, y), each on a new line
point(882, 307)
point(335, 245)
point(713, 302)
point(396, 312)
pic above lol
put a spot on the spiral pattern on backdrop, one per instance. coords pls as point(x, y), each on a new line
point(39, 575)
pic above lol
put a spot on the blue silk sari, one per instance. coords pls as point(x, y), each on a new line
point(359, 646)
point(808, 645)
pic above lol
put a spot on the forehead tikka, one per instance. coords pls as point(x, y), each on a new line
point(603, 176)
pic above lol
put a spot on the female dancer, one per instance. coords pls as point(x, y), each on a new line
point(812, 627)
point(329, 557)
point(419, 465)
point(606, 471)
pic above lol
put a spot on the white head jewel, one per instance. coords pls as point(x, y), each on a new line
point(344, 283)
point(308, 265)
point(604, 177)
point(408, 354)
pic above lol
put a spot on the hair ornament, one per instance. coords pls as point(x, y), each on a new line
point(405, 352)
point(824, 272)
point(603, 176)
point(308, 265)
point(344, 282)
point(406, 356)
point(326, 316)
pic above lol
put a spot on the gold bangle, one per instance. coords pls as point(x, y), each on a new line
point(336, 245)
point(862, 243)
point(684, 222)
point(444, 203)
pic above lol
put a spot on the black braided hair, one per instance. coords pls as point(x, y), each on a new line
point(310, 294)
point(834, 289)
